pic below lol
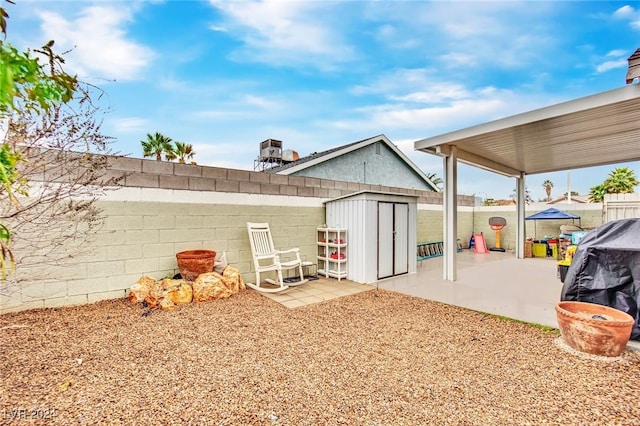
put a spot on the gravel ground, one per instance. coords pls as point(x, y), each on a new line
point(375, 358)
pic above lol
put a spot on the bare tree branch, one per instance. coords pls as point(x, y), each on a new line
point(65, 172)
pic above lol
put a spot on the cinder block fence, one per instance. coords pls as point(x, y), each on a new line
point(163, 208)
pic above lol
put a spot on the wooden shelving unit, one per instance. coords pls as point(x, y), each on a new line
point(332, 252)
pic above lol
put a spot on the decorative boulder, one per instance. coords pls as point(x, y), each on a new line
point(233, 278)
point(210, 286)
point(156, 295)
point(178, 291)
point(140, 290)
point(166, 304)
point(169, 293)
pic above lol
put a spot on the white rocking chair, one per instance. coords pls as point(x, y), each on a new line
point(267, 259)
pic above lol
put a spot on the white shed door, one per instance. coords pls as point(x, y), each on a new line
point(401, 239)
point(393, 239)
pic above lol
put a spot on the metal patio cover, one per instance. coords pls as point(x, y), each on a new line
point(595, 130)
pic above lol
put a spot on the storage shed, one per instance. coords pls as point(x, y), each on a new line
point(381, 233)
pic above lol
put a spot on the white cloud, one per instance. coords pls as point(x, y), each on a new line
point(172, 84)
point(399, 80)
point(283, 33)
point(229, 155)
point(221, 114)
point(397, 38)
point(443, 107)
point(387, 32)
point(436, 93)
point(98, 42)
point(240, 108)
point(417, 86)
point(624, 12)
point(630, 14)
point(457, 59)
point(131, 124)
point(616, 53)
point(450, 115)
point(471, 35)
point(611, 65)
point(259, 102)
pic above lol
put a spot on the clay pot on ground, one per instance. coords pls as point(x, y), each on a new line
point(594, 329)
point(192, 263)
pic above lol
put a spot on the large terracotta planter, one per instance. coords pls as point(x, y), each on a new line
point(192, 263)
point(593, 328)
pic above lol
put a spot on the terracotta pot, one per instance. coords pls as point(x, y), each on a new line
point(593, 328)
point(192, 263)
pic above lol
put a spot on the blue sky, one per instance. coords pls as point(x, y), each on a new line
point(224, 76)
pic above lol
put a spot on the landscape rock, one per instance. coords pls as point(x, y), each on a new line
point(140, 290)
point(178, 291)
point(168, 293)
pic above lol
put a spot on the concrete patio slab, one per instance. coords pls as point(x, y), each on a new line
point(317, 291)
point(495, 283)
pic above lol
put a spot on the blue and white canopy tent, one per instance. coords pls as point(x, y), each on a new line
point(551, 214)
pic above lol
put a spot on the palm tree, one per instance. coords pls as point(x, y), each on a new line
point(156, 145)
point(621, 180)
point(547, 185)
point(184, 151)
point(597, 193)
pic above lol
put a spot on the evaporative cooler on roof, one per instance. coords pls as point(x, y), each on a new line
point(271, 150)
point(270, 155)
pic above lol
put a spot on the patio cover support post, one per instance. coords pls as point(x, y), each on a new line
point(450, 213)
point(520, 206)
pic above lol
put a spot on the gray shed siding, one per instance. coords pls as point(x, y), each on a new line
point(366, 165)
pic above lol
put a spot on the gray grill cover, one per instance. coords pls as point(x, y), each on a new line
point(606, 269)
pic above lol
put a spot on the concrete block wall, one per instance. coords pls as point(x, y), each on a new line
point(430, 223)
point(590, 217)
point(164, 208)
point(167, 175)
